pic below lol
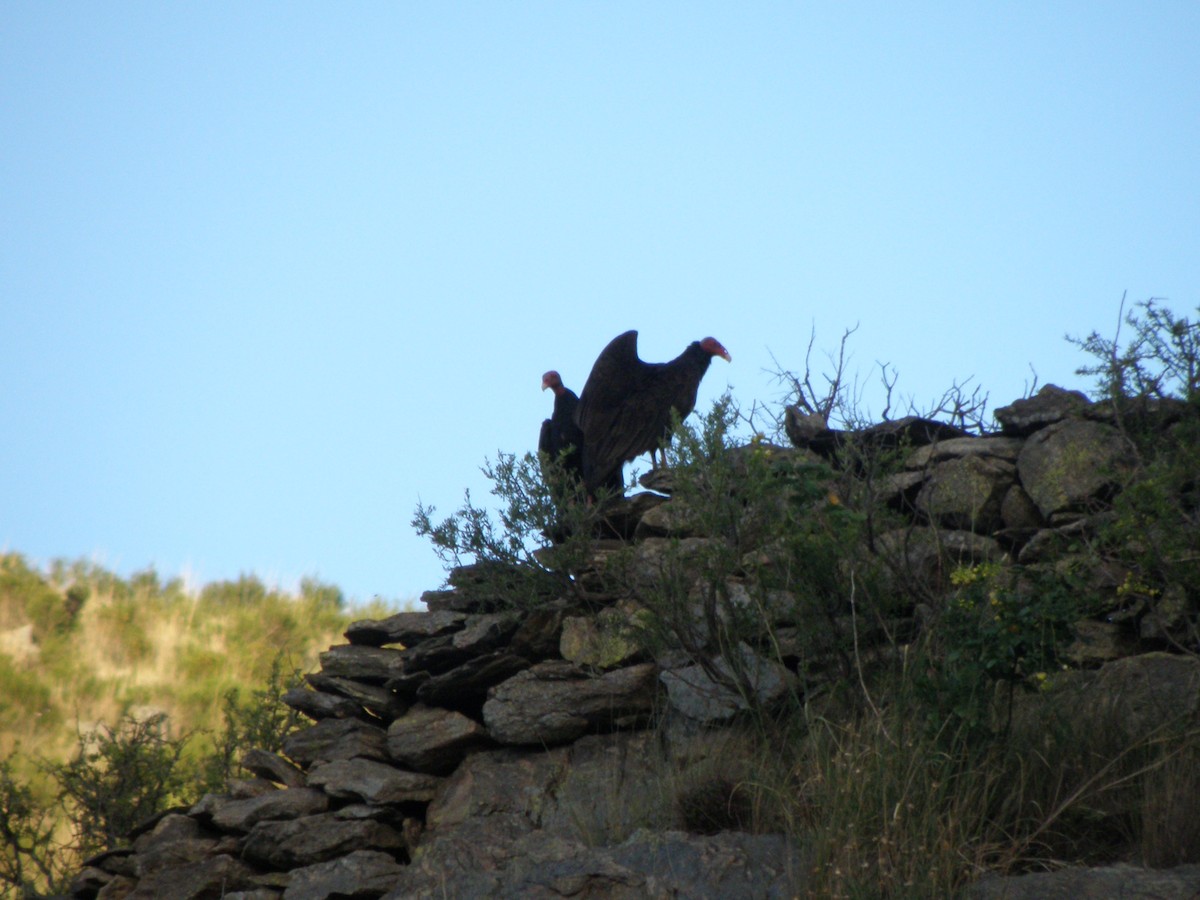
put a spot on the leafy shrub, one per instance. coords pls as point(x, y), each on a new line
point(1161, 359)
point(30, 858)
point(1151, 381)
point(120, 776)
point(255, 719)
point(531, 544)
point(1003, 626)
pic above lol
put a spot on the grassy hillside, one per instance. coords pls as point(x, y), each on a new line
point(119, 697)
point(80, 646)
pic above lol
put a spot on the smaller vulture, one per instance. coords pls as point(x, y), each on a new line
point(560, 432)
point(625, 408)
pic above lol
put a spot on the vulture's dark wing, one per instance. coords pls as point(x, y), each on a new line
point(625, 409)
point(605, 415)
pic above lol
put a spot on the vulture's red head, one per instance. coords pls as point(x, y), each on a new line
point(712, 347)
point(552, 380)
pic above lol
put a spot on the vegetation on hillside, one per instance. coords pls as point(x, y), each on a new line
point(123, 697)
point(904, 760)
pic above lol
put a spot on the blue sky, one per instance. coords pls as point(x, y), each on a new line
point(273, 272)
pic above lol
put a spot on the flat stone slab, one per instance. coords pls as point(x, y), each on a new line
point(557, 701)
point(373, 782)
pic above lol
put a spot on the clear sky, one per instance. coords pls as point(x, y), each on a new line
point(272, 272)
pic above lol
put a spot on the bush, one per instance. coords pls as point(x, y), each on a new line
point(528, 548)
point(120, 776)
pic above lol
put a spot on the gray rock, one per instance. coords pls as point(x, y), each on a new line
point(622, 515)
point(672, 519)
point(272, 767)
point(315, 839)
point(750, 680)
point(929, 555)
point(467, 685)
point(1120, 703)
point(654, 559)
point(332, 739)
point(373, 665)
point(361, 874)
point(485, 632)
point(406, 628)
point(200, 880)
point(171, 827)
point(966, 493)
point(373, 782)
point(291, 803)
point(1017, 510)
point(433, 740)
point(172, 854)
point(647, 865)
point(599, 789)
point(1098, 642)
point(1069, 466)
point(1126, 882)
point(557, 701)
point(1051, 404)
point(319, 705)
point(1005, 448)
point(377, 699)
point(1049, 544)
point(900, 488)
point(603, 641)
point(538, 636)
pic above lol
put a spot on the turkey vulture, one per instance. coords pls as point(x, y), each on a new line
point(560, 432)
point(626, 405)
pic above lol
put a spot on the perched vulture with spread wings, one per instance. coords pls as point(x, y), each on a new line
point(625, 408)
point(560, 432)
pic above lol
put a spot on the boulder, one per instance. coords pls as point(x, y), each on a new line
point(428, 739)
point(1051, 404)
point(315, 839)
point(603, 641)
point(406, 628)
point(213, 876)
point(377, 699)
point(535, 866)
point(598, 789)
point(967, 493)
point(1004, 448)
point(273, 767)
point(1018, 511)
point(373, 665)
point(373, 782)
point(332, 739)
point(558, 701)
point(318, 705)
point(929, 555)
point(1070, 466)
point(360, 874)
point(715, 692)
point(1120, 703)
point(290, 803)
point(465, 687)
point(1126, 882)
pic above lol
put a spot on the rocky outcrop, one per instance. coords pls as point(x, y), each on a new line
point(471, 751)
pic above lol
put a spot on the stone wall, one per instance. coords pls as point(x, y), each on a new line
point(466, 752)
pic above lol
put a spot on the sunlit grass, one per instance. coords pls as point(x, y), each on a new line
point(79, 646)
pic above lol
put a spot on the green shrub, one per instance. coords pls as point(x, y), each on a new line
point(120, 776)
point(530, 545)
point(1002, 627)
